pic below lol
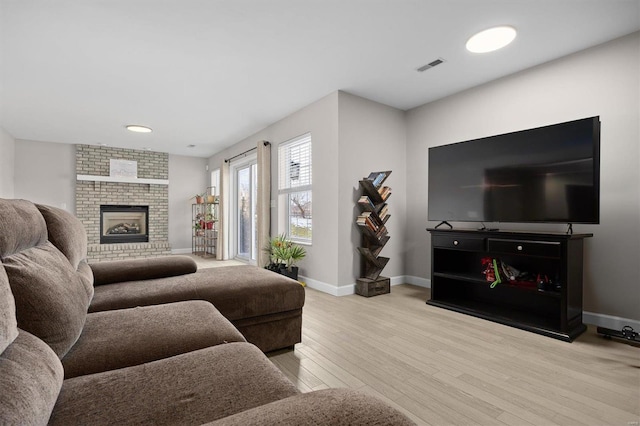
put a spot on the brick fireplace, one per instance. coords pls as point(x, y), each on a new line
point(150, 190)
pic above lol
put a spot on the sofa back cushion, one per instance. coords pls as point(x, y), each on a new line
point(51, 296)
point(30, 381)
point(66, 232)
point(21, 226)
point(8, 326)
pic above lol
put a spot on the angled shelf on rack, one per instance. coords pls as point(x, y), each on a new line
point(372, 224)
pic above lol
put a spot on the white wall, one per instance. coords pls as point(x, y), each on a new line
point(603, 81)
point(372, 137)
point(187, 177)
point(7, 155)
point(321, 119)
point(45, 173)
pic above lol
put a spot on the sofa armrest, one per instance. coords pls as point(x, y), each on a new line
point(325, 407)
point(141, 269)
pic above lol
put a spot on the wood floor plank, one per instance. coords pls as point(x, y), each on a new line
point(444, 368)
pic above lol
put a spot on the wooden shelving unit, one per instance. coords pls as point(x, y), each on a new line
point(372, 224)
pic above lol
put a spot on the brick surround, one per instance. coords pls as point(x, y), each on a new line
point(94, 160)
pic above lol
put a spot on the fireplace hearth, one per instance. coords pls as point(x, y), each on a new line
point(124, 224)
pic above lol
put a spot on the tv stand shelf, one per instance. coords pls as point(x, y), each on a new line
point(458, 282)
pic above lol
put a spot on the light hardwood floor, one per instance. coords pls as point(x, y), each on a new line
point(444, 368)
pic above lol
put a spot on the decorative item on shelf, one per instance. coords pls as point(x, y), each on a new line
point(199, 232)
point(212, 198)
point(209, 221)
point(283, 256)
point(199, 198)
point(372, 223)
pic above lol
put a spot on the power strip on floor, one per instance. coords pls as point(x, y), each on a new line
point(627, 333)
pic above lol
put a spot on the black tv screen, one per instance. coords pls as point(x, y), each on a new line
point(546, 174)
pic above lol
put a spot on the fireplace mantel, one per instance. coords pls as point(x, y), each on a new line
point(123, 179)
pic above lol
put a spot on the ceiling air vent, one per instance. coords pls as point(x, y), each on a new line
point(430, 65)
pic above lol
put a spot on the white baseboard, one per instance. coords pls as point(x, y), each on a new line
point(181, 251)
point(609, 321)
point(319, 285)
point(413, 280)
point(346, 290)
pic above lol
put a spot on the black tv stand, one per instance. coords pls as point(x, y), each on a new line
point(444, 222)
point(547, 303)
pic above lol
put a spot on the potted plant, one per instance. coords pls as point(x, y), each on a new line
point(200, 198)
point(283, 256)
point(209, 221)
point(198, 229)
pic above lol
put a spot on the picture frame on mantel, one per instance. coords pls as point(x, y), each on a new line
point(123, 168)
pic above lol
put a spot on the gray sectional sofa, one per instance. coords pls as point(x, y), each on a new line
point(147, 342)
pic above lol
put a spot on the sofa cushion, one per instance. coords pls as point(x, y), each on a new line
point(22, 226)
point(191, 388)
point(8, 324)
point(324, 407)
point(236, 291)
point(51, 299)
point(30, 381)
point(86, 276)
point(127, 337)
point(66, 232)
point(116, 271)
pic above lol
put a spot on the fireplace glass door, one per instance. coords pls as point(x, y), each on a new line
point(124, 224)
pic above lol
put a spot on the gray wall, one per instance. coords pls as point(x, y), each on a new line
point(372, 137)
point(351, 137)
point(321, 119)
point(7, 156)
point(187, 177)
point(604, 81)
point(45, 173)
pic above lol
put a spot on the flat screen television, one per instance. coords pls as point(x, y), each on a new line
point(547, 174)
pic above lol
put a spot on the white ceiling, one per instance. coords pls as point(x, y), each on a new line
point(213, 72)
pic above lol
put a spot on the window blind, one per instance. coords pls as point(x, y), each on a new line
point(294, 168)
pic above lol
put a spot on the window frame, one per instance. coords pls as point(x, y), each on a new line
point(285, 189)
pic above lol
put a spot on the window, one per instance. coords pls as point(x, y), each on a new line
point(294, 187)
point(215, 182)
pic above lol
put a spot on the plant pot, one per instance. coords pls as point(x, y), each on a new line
point(209, 225)
point(281, 269)
point(199, 200)
point(292, 273)
point(211, 199)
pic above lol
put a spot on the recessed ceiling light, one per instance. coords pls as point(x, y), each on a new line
point(492, 39)
point(138, 128)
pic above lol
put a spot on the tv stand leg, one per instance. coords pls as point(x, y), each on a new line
point(444, 222)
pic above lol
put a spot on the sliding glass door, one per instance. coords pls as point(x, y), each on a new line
point(245, 186)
